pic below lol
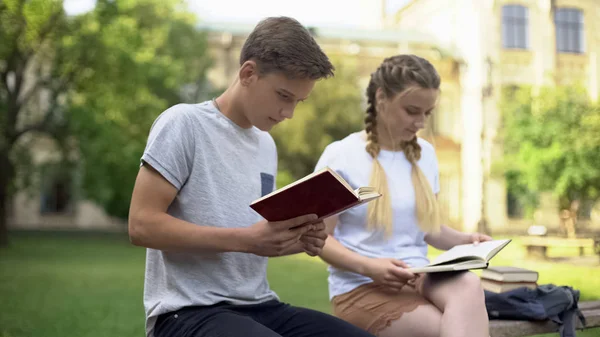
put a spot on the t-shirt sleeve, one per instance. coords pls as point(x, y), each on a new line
point(327, 158)
point(171, 145)
point(332, 157)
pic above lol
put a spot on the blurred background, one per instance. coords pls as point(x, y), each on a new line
point(517, 133)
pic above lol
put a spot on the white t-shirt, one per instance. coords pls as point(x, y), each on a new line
point(349, 158)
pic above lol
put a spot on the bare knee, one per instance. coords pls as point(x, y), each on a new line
point(468, 287)
point(424, 321)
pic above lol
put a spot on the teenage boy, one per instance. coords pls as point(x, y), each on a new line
point(203, 165)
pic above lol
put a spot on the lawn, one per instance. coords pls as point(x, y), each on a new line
point(90, 285)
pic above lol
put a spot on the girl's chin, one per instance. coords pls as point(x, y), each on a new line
point(408, 137)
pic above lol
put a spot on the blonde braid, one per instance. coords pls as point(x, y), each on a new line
point(394, 76)
point(427, 208)
point(380, 210)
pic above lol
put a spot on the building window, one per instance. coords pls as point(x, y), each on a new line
point(514, 207)
point(569, 30)
point(515, 27)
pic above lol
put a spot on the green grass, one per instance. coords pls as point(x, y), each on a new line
point(71, 285)
point(90, 285)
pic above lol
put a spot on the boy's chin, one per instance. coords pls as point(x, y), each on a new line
point(267, 125)
point(264, 127)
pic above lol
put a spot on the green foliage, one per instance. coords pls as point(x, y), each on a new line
point(145, 51)
point(551, 143)
point(520, 195)
point(332, 111)
point(104, 75)
point(284, 178)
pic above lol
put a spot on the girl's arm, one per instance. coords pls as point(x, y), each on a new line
point(335, 254)
point(385, 271)
point(447, 238)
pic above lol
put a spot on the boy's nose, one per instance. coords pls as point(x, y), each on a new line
point(287, 112)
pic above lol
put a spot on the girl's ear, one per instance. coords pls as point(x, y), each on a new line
point(380, 95)
point(380, 99)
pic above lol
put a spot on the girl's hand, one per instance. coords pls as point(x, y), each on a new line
point(476, 238)
point(389, 272)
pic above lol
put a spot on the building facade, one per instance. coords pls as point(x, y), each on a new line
point(478, 46)
point(505, 43)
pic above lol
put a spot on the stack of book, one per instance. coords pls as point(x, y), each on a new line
point(502, 279)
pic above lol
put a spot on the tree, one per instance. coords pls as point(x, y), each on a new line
point(552, 144)
point(149, 51)
point(94, 83)
point(333, 110)
point(27, 30)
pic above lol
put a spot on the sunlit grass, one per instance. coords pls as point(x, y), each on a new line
point(88, 285)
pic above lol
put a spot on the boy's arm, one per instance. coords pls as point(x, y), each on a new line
point(151, 226)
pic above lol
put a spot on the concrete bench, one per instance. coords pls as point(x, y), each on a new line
point(538, 245)
point(506, 328)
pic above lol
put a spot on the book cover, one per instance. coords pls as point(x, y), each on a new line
point(323, 193)
point(500, 287)
point(509, 274)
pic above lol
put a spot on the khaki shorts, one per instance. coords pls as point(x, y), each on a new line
point(373, 308)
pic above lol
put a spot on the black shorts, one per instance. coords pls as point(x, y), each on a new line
point(268, 319)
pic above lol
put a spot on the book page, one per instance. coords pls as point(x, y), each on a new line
point(482, 251)
point(466, 265)
point(367, 193)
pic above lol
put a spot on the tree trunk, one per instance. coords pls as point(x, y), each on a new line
point(6, 171)
point(569, 209)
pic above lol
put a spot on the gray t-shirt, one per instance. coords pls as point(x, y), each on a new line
point(218, 168)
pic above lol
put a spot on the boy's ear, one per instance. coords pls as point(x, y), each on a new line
point(248, 72)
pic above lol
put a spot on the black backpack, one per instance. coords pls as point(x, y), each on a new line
point(557, 303)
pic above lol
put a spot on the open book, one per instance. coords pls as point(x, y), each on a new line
point(464, 257)
point(324, 193)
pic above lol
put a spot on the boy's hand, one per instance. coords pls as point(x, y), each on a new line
point(314, 240)
point(276, 238)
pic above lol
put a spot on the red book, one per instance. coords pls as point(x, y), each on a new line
point(324, 193)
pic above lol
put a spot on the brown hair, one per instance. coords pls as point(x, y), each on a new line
point(283, 44)
point(394, 76)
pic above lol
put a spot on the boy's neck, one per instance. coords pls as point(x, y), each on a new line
point(232, 109)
